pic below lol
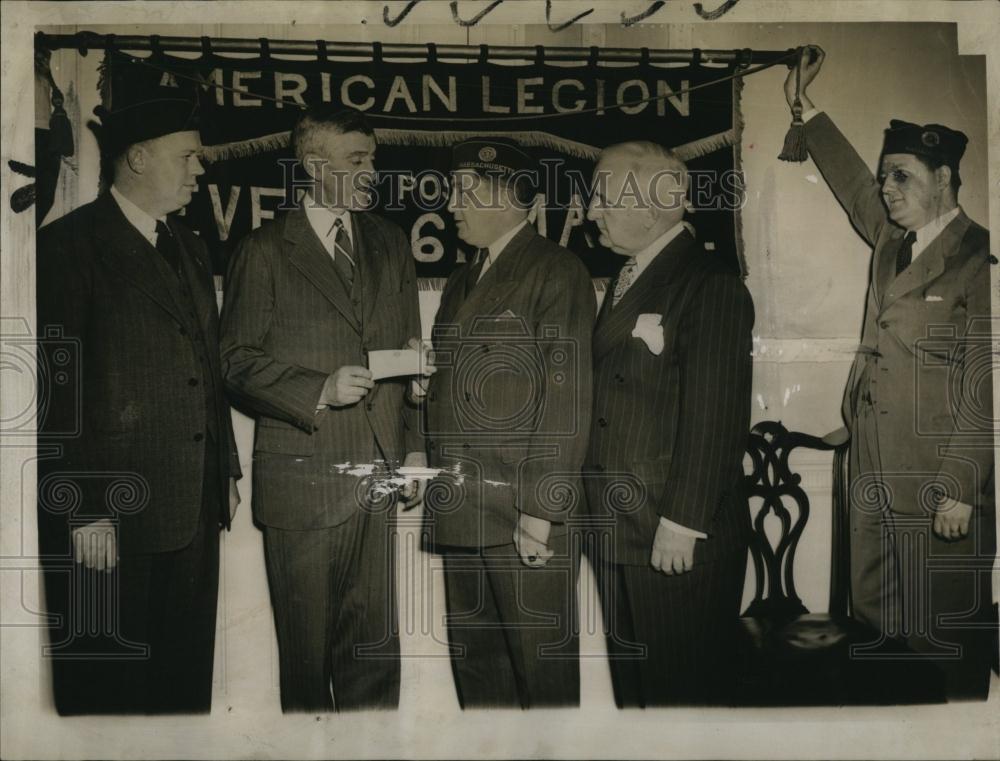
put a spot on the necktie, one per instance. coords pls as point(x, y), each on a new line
point(905, 254)
point(343, 252)
point(167, 246)
point(475, 270)
point(625, 278)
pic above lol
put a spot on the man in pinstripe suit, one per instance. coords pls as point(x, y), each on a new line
point(307, 297)
point(507, 418)
point(672, 374)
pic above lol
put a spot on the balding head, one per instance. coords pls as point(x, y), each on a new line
point(638, 194)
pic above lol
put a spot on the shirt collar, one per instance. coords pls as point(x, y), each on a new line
point(644, 257)
point(138, 218)
point(930, 231)
point(321, 220)
point(497, 247)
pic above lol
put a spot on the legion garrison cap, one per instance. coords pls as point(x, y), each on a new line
point(491, 157)
point(933, 141)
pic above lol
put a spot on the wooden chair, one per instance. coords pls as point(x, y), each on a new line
point(788, 655)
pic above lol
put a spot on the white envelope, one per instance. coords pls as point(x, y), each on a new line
point(390, 363)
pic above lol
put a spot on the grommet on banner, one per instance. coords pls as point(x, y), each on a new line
point(644, 57)
point(321, 52)
point(432, 52)
point(377, 52)
point(484, 54)
point(539, 55)
point(265, 49)
point(206, 47)
point(696, 57)
point(595, 52)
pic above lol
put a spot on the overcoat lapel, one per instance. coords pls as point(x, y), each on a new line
point(130, 255)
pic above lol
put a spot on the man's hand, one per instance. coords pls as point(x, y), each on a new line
point(673, 553)
point(234, 498)
point(951, 520)
point(348, 385)
point(531, 537)
point(812, 62)
point(412, 493)
point(419, 384)
point(96, 545)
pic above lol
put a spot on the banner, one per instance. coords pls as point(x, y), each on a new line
point(562, 114)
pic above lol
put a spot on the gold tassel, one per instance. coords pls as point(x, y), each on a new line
point(795, 139)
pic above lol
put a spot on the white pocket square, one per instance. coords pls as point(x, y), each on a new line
point(505, 315)
point(933, 298)
point(648, 328)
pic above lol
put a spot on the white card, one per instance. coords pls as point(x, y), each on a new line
point(389, 363)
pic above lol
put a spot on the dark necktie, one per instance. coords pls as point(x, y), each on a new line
point(905, 254)
point(475, 270)
point(166, 244)
point(343, 252)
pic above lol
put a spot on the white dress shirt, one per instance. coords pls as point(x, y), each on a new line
point(139, 219)
point(321, 220)
point(496, 247)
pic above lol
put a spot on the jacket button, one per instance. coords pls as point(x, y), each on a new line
point(182, 330)
point(602, 422)
point(370, 406)
point(192, 381)
point(884, 324)
point(199, 436)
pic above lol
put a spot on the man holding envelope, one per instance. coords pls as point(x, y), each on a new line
point(310, 299)
point(507, 415)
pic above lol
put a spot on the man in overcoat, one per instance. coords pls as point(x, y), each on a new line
point(145, 463)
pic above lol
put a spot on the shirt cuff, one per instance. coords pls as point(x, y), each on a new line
point(684, 530)
point(810, 114)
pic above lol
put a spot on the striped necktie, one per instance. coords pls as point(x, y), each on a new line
point(343, 252)
point(475, 270)
point(624, 280)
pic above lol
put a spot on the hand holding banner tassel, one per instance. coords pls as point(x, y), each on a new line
point(795, 139)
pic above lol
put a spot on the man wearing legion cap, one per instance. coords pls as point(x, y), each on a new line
point(918, 402)
point(507, 416)
point(141, 425)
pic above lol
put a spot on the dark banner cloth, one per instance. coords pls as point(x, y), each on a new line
point(563, 115)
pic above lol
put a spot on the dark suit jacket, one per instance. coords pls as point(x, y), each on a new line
point(145, 390)
point(669, 431)
point(508, 409)
point(924, 362)
point(288, 322)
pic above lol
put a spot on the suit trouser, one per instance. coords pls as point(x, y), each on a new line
point(512, 629)
point(912, 586)
point(142, 638)
point(334, 597)
point(670, 638)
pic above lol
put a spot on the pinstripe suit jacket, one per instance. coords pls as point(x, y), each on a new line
point(925, 347)
point(288, 322)
point(145, 386)
point(668, 431)
point(508, 409)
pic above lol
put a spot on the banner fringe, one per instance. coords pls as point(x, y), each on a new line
point(255, 146)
